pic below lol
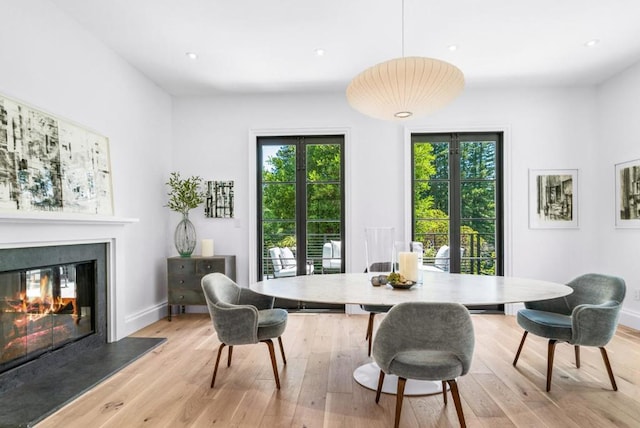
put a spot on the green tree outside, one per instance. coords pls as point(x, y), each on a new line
point(431, 198)
point(323, 190)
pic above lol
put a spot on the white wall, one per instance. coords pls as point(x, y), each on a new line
point(619, 141)
point(547, 128)
point(48, 61)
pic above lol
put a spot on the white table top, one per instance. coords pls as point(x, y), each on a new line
point(356, 288)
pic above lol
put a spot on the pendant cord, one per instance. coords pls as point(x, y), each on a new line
point(402, 28)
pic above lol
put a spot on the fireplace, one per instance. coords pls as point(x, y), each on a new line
point(46, 286)
point(52, 304)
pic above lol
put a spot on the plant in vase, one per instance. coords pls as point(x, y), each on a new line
point(184, 195)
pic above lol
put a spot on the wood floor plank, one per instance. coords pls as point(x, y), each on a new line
point(283, 403)
point(337, 410)
point(169, 387)
point(510, 403)
point(481, 404)
point(365, 412)
point(340, 371)
point(430, 411)
point(312, 398)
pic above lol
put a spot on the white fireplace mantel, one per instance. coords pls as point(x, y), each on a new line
point(47, 229)
point(62, 218)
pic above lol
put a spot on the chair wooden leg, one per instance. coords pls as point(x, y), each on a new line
point(444, 391)
point(550, 352)
point(380, 381)
point(456, 399)
point(229, 355)
point(370, 331)
point(605, 358)
point(215, 369)
point(577, 351)
point(284, 359)
point(524, 337)
point(272, 354)
point(369, 325)
point(399, 397)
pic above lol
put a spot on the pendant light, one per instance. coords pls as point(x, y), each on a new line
point(406, 87)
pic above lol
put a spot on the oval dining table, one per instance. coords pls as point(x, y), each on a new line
point(356, 289)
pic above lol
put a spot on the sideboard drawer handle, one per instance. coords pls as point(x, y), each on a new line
point(208, 266)
point(182, 281)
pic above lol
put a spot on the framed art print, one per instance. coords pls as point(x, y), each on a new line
point(553, 198)
point(219, 199)
point(628, 194)
point(50, 164)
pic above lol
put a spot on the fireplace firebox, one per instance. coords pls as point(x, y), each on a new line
point(52, 301)
point(44, 308)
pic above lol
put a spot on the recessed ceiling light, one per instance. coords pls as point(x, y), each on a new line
point(591, 43)
point(452, 47)
point(319, 52)
point(191, 55)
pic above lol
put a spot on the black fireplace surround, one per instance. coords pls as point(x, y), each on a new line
point(91, 262)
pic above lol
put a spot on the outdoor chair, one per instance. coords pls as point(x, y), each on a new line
point(284, 263)
point(331, 256)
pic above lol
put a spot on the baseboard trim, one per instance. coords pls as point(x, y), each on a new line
point(140, 320)
point(630, 318)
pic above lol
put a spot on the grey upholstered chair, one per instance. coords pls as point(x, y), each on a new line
point(425, 341)
point(375, 309)
point(586, 317)
point(241, 316)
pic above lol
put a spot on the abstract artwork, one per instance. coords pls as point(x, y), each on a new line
point(553, 198)
point(49, 164)
point(219, 201)
point(628, 194)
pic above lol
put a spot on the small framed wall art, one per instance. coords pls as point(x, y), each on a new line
point(219, 199)
point(553, 198)
point(628, 194)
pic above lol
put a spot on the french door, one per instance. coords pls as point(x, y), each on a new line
point(300, 184)
point(457, 208)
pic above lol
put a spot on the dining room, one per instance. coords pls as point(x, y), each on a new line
point(542, 129)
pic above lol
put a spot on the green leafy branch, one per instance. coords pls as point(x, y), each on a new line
point(184, 194)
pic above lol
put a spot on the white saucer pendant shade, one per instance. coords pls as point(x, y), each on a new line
point(405, 88)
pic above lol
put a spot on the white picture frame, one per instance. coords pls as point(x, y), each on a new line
point(553, 198)
point(627, 194)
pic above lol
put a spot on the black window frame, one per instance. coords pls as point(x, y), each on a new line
point(301, 142)
point(455, 180)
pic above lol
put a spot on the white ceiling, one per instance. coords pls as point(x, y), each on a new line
point(268, 45)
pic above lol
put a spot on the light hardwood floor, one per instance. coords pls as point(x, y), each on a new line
point(169, 387)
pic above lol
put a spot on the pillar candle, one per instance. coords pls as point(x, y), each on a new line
point(408, 265)
point(207, 247)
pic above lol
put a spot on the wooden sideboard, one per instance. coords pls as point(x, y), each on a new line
point(184, 275)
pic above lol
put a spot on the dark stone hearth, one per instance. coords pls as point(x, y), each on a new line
point(35, 394)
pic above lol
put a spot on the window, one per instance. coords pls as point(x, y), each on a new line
point(457, 201)
point(300, 205)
